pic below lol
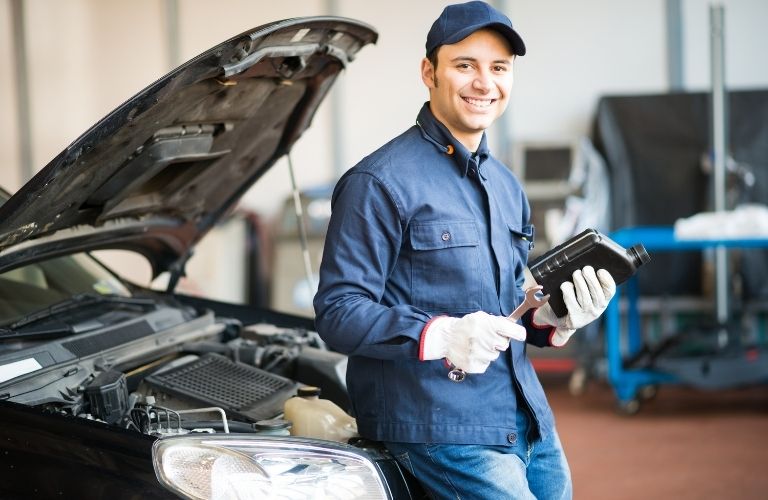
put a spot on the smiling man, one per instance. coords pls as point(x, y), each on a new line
point(423, 262)
point(470, 89)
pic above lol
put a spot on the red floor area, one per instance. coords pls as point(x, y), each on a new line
point(683, 444)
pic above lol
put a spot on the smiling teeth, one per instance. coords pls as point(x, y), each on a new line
point(482, 103)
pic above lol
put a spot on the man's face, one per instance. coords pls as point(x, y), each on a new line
point(470, 87)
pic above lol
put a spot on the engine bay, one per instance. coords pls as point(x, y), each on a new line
point(171, 369)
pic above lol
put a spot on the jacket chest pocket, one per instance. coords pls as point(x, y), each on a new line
point(522, 238)
point(445, 267)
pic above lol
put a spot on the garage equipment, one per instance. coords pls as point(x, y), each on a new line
point(666, 325)
point(697, 315)
point(635, 370)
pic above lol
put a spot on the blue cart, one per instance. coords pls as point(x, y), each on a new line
point(632, 384)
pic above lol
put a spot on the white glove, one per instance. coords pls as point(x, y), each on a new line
point(470, 343)
point(586, 299)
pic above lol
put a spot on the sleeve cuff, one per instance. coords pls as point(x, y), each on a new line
point(538, 335)
point(424, 335)
point(552, 336)
point(536, 325)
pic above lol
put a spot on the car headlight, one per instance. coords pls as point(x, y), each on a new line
point(239, 467)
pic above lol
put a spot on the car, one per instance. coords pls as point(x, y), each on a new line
point(113, 390)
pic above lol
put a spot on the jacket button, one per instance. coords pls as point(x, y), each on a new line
point(446, 236)
point(512, 437)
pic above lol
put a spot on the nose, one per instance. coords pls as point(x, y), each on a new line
point(483, 81)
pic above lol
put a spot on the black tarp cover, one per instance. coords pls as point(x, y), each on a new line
point(654, 146)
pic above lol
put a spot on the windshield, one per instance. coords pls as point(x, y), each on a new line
point(37, 286)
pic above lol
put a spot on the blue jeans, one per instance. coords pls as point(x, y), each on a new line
point(532, 468)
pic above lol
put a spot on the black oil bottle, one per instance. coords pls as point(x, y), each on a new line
point(588, 248)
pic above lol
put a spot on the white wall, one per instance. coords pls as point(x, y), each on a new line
point(87, 56)
point(10, 176)
point(578, 51)
point(746, 40)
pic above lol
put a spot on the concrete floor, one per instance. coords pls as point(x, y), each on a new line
point(683, 444)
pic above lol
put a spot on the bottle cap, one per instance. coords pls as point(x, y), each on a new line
point(640, 255)
point(272, 424)
point(308, 391)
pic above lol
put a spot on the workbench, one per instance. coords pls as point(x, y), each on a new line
point(625, 338)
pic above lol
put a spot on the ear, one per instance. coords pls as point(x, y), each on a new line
point(427, 73)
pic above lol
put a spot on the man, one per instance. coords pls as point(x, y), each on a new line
point(424, 259)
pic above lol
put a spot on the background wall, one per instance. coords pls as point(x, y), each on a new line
point(85, 57)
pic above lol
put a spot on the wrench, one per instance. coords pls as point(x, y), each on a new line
point(533, 298)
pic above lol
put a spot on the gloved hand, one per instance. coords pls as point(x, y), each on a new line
point(586, 299)
point(470, 343)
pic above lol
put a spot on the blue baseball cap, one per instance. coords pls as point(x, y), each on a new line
point(458, 21)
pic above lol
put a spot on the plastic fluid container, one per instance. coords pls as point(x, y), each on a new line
point(588, 248)
point(318, 418)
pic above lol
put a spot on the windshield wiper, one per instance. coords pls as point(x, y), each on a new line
point(75, 302)
point(49, 330)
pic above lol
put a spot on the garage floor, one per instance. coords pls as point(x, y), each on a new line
point(683, 444)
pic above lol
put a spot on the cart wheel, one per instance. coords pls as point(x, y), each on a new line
point(648, 392)
point(629, 407)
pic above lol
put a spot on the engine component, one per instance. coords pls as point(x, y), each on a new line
point(108, 396)
point(213, 380)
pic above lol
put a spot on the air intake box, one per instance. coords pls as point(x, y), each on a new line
point(214, 380)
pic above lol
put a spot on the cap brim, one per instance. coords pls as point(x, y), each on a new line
point(515, 41)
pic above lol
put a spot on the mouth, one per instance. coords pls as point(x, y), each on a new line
point(479, 103)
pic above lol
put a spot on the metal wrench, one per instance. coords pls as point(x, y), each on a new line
point(533, 298)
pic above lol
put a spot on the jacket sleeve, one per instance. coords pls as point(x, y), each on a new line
point(362, 245)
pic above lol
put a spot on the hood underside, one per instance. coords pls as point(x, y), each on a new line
point(157, 173)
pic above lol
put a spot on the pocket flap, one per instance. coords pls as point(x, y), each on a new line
point(437, 235)
point(526, 233)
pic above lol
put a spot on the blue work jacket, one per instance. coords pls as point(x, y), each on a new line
point(422, 227)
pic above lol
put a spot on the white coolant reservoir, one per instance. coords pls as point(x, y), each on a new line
point(318, 418)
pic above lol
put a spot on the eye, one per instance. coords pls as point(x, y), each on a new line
point(500, 69)
point(463, 66)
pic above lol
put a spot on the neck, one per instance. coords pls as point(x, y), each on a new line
point(469, 141)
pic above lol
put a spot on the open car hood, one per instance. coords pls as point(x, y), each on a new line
point(156, 174)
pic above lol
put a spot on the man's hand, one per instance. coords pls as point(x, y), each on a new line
point(470, 343)
point(586, 299)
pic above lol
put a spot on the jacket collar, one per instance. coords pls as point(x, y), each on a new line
point(435, 132)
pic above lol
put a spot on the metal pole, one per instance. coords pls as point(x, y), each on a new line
point(26, 168)
point(719, 152)
point(301, 228)
point(337, 110)
point(675, 45)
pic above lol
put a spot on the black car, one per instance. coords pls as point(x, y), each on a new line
point(112, 390)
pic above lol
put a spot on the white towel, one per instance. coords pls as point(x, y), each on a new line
point(745, 221)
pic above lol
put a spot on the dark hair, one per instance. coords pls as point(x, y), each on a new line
point(432, 56)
